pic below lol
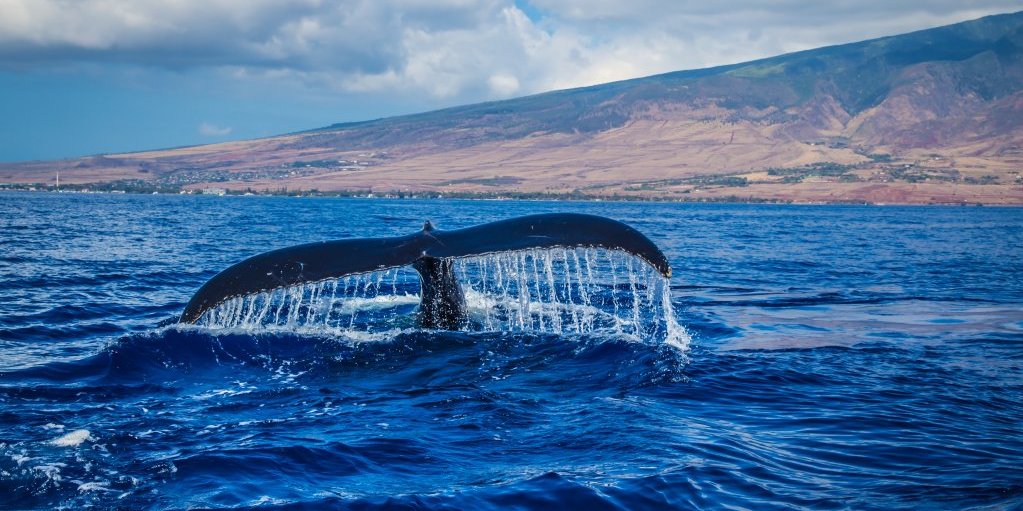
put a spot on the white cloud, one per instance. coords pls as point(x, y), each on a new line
point(503, 84)
point(450, 50)
point(211, 130)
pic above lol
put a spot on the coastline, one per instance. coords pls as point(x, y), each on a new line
point(514, 197)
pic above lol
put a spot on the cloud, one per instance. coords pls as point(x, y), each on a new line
point(211, 130)
point(449, 50)
point(503, 84)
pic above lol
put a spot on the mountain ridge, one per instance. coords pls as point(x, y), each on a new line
point(930, 116)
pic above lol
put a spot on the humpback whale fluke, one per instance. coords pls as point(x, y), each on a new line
point(430, 252)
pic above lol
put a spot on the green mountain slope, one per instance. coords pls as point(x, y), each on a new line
point(980, 58)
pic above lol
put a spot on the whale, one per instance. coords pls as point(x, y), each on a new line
point(431, 252)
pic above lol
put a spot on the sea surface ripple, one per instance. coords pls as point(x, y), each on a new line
point(842, 357)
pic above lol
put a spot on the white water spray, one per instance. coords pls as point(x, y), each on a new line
point(559, 291)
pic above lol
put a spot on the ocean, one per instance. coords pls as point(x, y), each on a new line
point(800, 357)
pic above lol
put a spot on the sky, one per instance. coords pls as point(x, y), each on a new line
point(80, 77)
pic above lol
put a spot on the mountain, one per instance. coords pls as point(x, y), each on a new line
point(925, 117)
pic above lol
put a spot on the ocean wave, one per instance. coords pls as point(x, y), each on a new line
point(173, 351)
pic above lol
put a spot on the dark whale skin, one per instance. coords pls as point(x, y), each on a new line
point(429, 251)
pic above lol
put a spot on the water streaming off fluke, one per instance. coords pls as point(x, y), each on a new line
point(559, 291)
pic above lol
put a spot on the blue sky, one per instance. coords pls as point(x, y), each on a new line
point(84, 77)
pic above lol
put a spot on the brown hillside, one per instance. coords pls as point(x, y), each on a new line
point(931, 116)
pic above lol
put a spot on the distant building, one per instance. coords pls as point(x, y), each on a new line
point(214, 191)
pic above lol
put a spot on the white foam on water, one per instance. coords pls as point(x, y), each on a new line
point(94, 486)
point(377, 302)
point(220, 393)
point(267, 500)
point(73, 439)
point(50, 470)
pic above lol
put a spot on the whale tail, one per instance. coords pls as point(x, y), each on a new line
point(430, 252)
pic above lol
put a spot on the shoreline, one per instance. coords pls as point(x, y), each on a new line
point(523, 197)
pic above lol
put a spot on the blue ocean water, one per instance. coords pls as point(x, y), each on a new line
point(841, 357)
